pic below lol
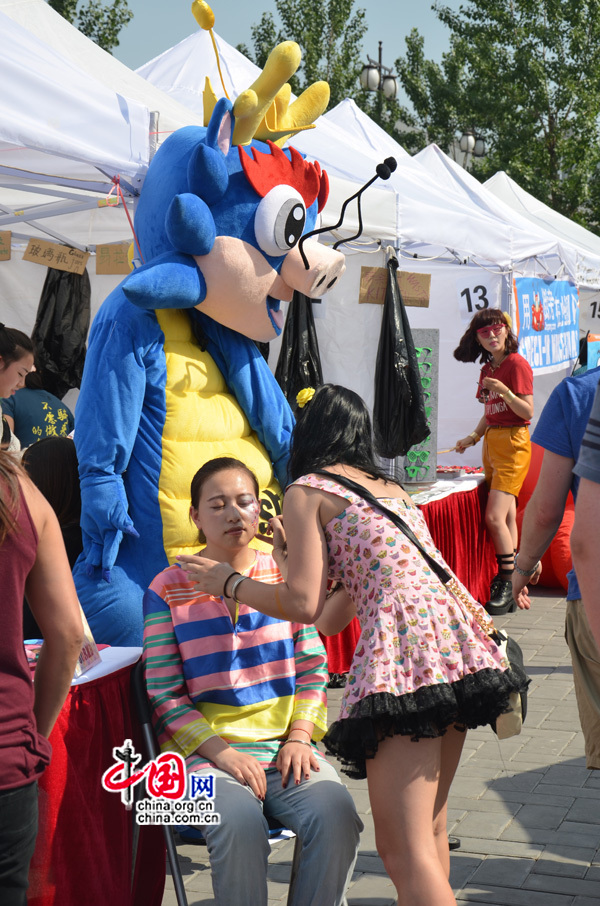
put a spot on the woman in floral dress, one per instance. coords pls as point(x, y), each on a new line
point(424, 669)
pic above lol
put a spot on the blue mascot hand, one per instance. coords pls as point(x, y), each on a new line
point(104, 520)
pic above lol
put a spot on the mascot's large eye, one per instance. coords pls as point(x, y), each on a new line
point(279, 220)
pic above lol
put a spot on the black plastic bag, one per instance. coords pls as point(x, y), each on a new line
point(61, 328)
point(299, 363)
point(399, 419)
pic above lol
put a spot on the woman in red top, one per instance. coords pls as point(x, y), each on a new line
point(33, 561)
point(506, 389)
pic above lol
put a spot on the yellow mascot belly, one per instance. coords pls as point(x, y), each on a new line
point(203, 421)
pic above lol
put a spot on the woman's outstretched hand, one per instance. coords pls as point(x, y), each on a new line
point(208, 576)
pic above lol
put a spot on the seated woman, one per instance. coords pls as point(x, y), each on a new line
point(241, 696)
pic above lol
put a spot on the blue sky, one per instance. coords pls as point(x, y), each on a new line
point(159, 24)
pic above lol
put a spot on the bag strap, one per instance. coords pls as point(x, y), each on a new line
point(360, 491)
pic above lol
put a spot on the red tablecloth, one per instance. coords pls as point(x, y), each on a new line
point(457, 525)
point(84, 843)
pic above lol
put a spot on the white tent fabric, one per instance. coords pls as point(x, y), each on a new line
point(540, 215)
point(82, 120)
point(181, 69)
point(42, 21)
point(72, 118)
point(575, 243)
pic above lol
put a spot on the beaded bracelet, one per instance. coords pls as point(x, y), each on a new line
point(525, 572)
point(301, 741)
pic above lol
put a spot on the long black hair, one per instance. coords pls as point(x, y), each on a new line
point(469, 349)
point(51, 464)
point(333, 427)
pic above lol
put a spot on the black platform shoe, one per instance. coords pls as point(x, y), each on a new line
point(501, 598)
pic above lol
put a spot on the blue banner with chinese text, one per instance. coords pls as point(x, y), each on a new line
point(547, 322)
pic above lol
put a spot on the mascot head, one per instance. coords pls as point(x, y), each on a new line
point(218, 223)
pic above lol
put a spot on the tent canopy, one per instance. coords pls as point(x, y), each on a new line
point(411, 211)
point(575, 245)
point(73, 120)
point(539, 214)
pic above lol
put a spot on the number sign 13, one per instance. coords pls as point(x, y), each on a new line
point(475, 295)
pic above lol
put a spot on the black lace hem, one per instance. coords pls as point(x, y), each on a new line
point(473, 701)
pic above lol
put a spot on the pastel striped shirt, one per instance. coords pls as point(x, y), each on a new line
point(246, 682)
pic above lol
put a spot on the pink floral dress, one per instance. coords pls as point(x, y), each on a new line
point(423, 661)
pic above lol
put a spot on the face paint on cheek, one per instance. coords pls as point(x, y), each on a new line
point(252, 510)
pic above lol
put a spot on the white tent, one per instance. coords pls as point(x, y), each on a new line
point(579, 249)
point(517, 199)
point(72, 120)
point(588, 244)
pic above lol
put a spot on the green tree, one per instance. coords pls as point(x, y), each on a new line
point(526, 74)
point(102, 24)
point(435, 94)
point(329, 34)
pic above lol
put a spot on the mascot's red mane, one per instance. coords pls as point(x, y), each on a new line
point(267, 169)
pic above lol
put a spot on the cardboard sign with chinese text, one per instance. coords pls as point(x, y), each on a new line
point(60, 257)
point(414, 288)
point(112, 259)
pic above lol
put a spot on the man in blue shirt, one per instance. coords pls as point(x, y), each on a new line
point(560, 432)
point(585, 536)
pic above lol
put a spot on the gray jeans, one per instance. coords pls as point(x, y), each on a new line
point(321, 813)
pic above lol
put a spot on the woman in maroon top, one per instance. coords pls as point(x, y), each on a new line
point(32, 560)
point(506, 389)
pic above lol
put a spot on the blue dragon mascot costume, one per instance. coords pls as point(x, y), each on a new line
point(172, 375)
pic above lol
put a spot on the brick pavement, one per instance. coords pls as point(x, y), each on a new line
point(526, 809)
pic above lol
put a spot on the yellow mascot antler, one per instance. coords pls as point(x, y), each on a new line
point(263, 111)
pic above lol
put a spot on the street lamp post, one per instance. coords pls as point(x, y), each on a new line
point(377, 77)
point(471, 143)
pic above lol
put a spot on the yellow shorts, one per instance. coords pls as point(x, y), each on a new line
point(506, 456)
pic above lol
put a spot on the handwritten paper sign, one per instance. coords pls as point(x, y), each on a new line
point(112, 259)
point(60, 257)
point(5, 245)
point(373, 282)
point(414, 288)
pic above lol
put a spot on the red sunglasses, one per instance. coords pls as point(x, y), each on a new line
point(495, 329)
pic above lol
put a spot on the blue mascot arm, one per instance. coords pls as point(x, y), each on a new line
point(108, 415)
point(248, 376)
